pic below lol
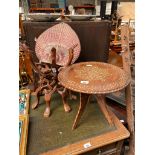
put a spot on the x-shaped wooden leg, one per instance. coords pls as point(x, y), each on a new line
point(36, 102)
point(102, 104)
point(83, 101)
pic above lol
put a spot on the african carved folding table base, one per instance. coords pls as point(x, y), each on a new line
point(57, 47)
point(48, 82)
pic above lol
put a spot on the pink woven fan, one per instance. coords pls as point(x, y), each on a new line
point(62, 37)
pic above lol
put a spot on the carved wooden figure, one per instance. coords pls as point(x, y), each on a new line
point(49, 84)
point(48, 81)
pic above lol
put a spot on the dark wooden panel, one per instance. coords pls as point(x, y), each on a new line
point(94, 37)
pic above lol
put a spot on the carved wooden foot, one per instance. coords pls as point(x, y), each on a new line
point(67, 108)
point(36, 102)
point(64, 95)
point(47, 100)
point(83, 101)
point(102, 104)
point(47, 111)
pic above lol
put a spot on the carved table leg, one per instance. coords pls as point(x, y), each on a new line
point(102, 104)
point(130, 119)
point(72, 96)
point(83, 101)
point(47, 100)
point(36, 102)
point(64, 95)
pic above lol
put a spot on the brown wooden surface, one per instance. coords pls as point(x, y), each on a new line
point(119, 146)
point(130, 119)
point(126, 57)
point(110, 149)
point(45, 9)
point(101, 77)
point(25, 64)
point(94, 48)
point(94, 78)
point(102, 140)
point(84, 98)
point(103, 106)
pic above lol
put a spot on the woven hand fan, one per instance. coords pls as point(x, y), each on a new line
point(62, 37)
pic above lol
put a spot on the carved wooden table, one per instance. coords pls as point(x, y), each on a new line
point(93, 78)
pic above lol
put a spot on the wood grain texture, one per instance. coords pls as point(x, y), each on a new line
point(126, 57)
point(83, 102)
point(103, 106)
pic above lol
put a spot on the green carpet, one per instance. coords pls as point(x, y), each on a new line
point(56, 131)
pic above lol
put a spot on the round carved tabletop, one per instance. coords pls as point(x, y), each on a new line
point(94, 78)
